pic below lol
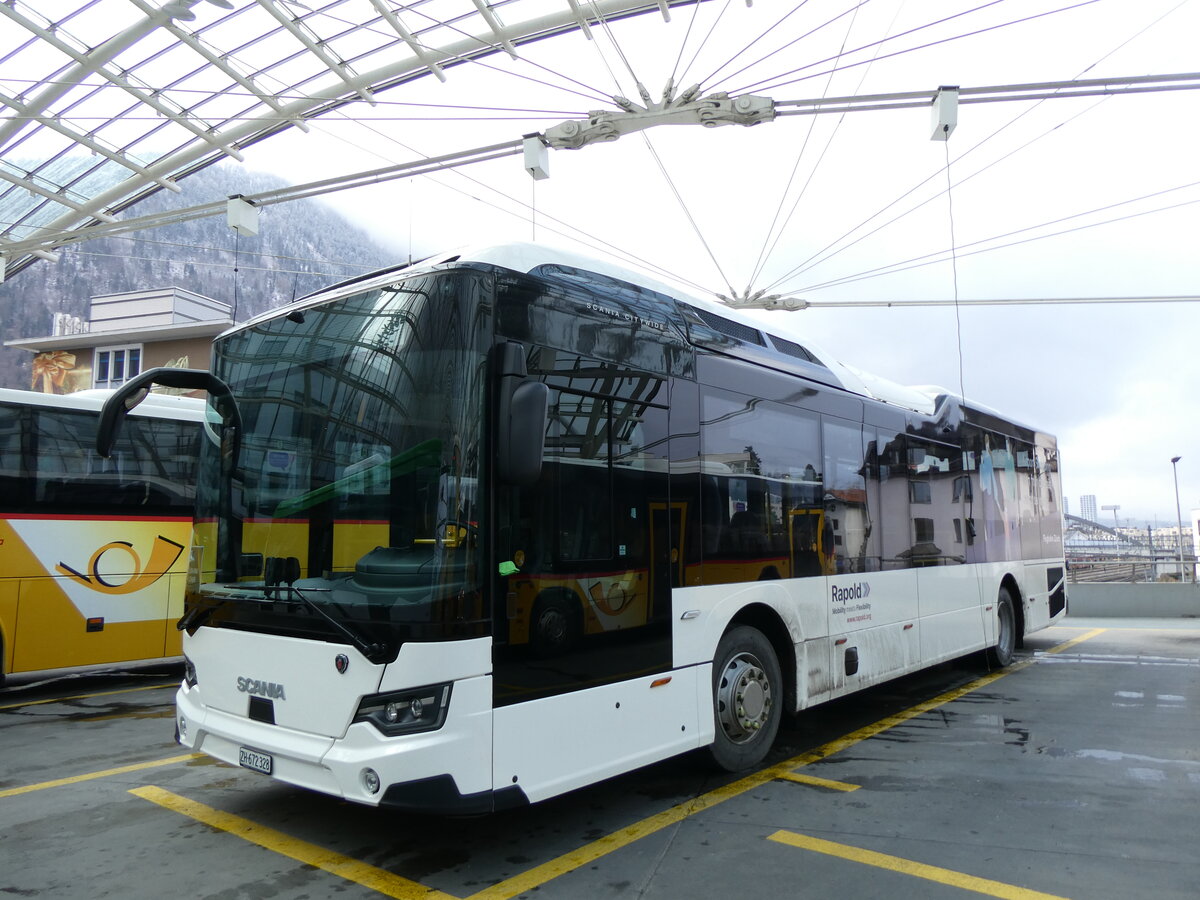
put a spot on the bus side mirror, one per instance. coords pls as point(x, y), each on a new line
point(520, 419)
point(135, 390)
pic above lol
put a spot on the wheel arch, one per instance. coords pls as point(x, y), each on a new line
point(1014, 589)
point(766, 620)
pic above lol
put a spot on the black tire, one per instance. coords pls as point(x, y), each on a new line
point(1003, 652)
point(554, 626)
point(747, 699)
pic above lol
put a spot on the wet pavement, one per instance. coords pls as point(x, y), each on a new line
point(1074, 773)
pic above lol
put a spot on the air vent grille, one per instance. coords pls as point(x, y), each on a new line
point(743, 333)
point(791, 348)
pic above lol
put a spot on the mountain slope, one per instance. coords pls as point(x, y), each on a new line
point(300, 247)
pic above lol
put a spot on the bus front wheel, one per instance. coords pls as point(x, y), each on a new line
point(747, 692)
point(1003, 652)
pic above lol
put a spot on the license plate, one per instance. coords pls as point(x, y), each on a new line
point(252, 759)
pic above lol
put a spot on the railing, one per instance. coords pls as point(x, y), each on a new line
point(1128, 568)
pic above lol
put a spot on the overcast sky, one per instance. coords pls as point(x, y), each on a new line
point(868, 192)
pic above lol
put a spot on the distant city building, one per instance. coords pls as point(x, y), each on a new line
point(1066, 506)
point(1087, 507)
point(1196, 544)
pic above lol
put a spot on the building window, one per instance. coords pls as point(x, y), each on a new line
point(962, 488)
point(920, 492)
point(113, 366)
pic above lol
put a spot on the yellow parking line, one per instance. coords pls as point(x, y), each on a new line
point(120, 770)
point(380, 880)
point(152, 687)
point(1086, 636)
point(908, 867)
point(568, 862)
point(819, 782)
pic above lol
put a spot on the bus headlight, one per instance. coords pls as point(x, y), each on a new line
point(405, 712)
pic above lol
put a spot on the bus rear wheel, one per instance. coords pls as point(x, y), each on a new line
point(747, 690)
point(1003, 652)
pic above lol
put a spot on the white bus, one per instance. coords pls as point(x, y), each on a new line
point(92, 550)
point(498, 525)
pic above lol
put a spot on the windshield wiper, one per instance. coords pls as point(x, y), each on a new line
point(196, 616)
point(284, 580)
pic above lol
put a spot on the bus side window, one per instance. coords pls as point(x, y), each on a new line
point(13, 482)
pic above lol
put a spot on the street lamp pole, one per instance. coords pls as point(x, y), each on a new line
point(1178, 515)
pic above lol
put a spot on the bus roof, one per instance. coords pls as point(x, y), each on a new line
point(163, 406)
point(525, 257)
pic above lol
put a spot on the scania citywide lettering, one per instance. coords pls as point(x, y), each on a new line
point(509, 522)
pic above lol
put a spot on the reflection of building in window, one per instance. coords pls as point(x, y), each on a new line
point(923, 529)
point(962, 488)
point(958, 531)
point(920, 492)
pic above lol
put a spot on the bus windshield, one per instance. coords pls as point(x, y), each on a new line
point(355, 483)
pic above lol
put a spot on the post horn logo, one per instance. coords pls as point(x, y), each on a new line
point(162, 557)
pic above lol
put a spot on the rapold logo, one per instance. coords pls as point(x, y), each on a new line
point(162, 556)
point(858, 591)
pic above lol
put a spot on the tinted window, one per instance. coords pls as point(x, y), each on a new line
point(935, 497)
point(889, 474)
point(151, 470)
point(848, 517)
point(763, 498)
point(13, 484)
point(592, 540)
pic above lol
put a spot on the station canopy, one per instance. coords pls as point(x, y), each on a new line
point(105, 102)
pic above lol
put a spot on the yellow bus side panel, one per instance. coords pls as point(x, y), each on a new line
point(286, 538)
point(354, 540)
point(126, 576)
point(8, 620)
point(51, 634)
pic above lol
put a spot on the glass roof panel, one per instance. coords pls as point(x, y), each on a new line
point(104, 101)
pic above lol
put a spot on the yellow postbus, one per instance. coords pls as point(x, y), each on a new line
point(93, 551)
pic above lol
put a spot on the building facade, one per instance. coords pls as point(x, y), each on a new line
point(124, 335)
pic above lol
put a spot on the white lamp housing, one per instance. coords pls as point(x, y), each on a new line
point(242, 216)
point(945, 112)
point(537, 157)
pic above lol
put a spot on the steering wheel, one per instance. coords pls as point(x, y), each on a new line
point(471, 537)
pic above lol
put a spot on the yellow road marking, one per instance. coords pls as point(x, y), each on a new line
point(568, 862)
point(153, 687)
point(120, 770)
point(819, 782)
point(380, 880)
point(1086, 636)
point(908, 867)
